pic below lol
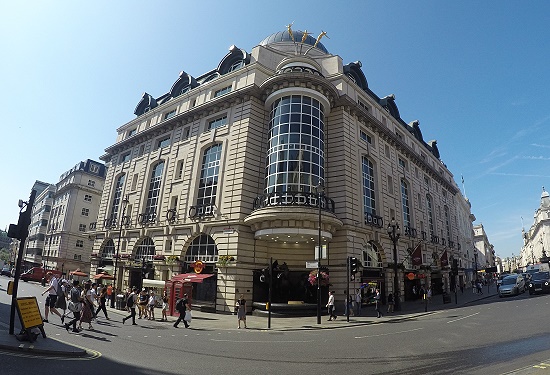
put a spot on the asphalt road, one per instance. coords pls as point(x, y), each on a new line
point(494, 336)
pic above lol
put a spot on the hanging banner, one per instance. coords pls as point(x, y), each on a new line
point(416, 255)
point(444, 259)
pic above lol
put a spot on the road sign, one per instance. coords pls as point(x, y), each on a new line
point(312, 265)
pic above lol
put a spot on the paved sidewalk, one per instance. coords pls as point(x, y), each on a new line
point(409, 310)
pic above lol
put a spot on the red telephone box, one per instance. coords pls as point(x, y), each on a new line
point(175, 290)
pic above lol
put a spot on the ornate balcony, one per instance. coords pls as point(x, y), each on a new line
point(410, 231)
point(374, 220)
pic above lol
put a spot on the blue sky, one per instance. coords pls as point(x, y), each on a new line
point(474, 73)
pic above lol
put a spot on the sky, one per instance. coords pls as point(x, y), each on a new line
point(474, 73)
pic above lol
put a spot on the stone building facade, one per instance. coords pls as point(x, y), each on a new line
point(239, 166)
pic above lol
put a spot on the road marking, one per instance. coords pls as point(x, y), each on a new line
point(387, 334)
point(267, 341)
point(464, 317)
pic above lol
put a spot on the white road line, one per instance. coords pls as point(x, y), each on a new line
point(464, 317)
point(387, 334)
point(266, 341)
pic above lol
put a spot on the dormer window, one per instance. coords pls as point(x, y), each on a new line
point(223, 91)
point(170, 114)
point(236, 65)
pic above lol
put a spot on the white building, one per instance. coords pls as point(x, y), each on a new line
point(535, 240)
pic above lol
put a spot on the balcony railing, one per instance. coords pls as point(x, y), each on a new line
point(200, 211)
point(374, 220)
point(293, 198)
point(434, 239)
point(147, 218)
point(410, 231)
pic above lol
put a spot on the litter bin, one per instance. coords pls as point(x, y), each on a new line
point(446, 297)
point(119, 302)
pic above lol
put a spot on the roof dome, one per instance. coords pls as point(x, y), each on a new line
point(284, 36)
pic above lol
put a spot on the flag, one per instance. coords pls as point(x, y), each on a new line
point(416, 255)
point(462, 179)
point(444, 259)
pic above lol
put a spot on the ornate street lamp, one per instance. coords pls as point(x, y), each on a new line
point(394, 233)
point(320, 193)
point(124, 202)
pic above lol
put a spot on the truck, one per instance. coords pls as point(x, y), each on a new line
point(38, 274)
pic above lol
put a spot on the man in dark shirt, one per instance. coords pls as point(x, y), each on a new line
point(182, 306)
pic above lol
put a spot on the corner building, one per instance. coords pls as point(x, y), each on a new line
point(220, 175)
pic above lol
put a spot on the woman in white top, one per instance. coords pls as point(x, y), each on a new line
point(330, 305)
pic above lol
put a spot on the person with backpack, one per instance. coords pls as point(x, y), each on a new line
point(131, 305)
point(75, 305)
point(182, 306)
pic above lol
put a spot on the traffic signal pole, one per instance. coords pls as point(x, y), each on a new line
point(348, 276)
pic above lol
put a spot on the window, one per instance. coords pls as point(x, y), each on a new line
point(87, 198)
point(202, 248)
point(154, 189)
point(365, 137)
point(179, 170)
point(208, 183)
point(170, 114)
point(82, 227)
point(223, 91)
point(94, 168)
point(429, 209)
point(134, 181)
point(217, 123)
point(164, 142)
point(390, 185)
point(361, 104)
point(125, 157)
point(85, 212)
point(141, 150)
point(447, 222)
point(236, 65)
point(131, 132)
point(77, 257)
point(403, 164)
point(116, 198)
point(145, 250)
point(79, 243)
point(369, 199)
point(186, 132)
point(91, 183)
point(387, 151)
point(405, 203)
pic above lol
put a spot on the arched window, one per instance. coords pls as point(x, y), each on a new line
point(145, 250)
point(116, 199)
point(429, 211)
point(203, 248)
point(369, 199)
point(154, 189)
point(405, 203)
point(371, 256)
point(108, 251)
point(208, 183)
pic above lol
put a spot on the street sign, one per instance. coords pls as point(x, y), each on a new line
point(312, 265)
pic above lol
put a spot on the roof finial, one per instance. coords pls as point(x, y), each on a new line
point(289, 28)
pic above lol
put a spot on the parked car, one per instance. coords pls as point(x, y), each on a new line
point(512, 285)
point(6, 271)
point(539, 283)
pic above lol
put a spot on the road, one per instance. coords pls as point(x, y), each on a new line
point(494, 336)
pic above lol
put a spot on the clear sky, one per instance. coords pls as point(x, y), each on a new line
point(474, 73)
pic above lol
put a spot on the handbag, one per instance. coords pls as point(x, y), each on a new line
point(75, 306)
point(188, 316)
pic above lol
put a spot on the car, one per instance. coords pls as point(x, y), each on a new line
point(6, 271)
point(512, 285)
point(539, 283)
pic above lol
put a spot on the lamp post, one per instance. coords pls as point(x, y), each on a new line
point(394, 233)
point(320, 192)
point(124, 204)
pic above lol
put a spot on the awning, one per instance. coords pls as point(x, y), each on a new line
point(78, 273)
point(104, 276)
point(153, 283)
point(192, 277)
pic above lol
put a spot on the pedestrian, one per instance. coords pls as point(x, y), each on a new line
point(52, 291)
point(109, 293)
point(102, 302)
point(164, 306)
point(330, 306)
point(151, 302)
point(358, 302)
point(75, 305)
point(429, 294)
point(131, 305)
point(415, 295)
point(241, 311)
point(479, 287)
point(474, 287)
point(390, 303)
point(87, 307)
point(61, 302)
point(142, 304)
point(93, 297)
point(378, 303)
point(183, 307)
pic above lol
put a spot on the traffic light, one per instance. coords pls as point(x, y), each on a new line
point(353, 265)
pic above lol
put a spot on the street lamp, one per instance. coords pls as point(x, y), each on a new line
point(320, 192)
point(124, 204)
point(394, 233)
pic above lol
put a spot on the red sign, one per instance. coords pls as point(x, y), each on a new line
point(198, 266)
point(410, 276)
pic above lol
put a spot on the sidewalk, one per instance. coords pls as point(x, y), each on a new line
point(409, 310)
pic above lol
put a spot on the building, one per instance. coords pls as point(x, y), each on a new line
point(485, 250)
point(268, 155)
point(466, 260)
point(40, 214)
point(75, 206)
point(535, 240)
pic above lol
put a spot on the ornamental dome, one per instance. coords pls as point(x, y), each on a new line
point(284, 37)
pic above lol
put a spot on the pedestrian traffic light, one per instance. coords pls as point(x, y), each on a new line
point(353, 265)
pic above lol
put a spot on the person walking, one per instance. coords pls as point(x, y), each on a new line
point(390, 303)
point(164, 306)
point(358, 302)
point(241, 311)
point(378, 303)
point(131, 305)
point(75, 300)
point(109, 293)
point(52, 290)
point(61, 302)
point(330, 306)
point(151, 302)
point(87, 314)
point(182, 306)
point(102, 302)
point(142, 304)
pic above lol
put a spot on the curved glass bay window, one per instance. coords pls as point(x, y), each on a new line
point(295, 158)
